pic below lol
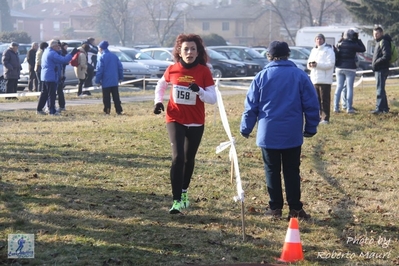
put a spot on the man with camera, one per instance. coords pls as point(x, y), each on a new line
point(321, 64)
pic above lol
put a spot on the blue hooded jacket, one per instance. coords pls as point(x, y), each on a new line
point(279, 99)
point(52, 63)
point(109, 69)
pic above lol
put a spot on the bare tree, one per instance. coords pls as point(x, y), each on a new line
point(115, 13)
point(164, 16)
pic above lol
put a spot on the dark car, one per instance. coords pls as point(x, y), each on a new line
point(252, 68)
point(246, 54)
point(224, 67)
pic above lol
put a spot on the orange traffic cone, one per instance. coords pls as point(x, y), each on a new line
point(292, 250)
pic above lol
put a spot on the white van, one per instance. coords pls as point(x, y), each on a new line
point(305, 36)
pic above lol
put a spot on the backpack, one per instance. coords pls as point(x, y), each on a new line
point(394, 53)
point(75, 60)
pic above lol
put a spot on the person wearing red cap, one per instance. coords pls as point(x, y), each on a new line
point(283, 102)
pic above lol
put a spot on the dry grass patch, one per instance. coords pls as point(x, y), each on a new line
point(95, 190)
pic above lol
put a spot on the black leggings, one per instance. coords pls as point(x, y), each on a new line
point(184, 142)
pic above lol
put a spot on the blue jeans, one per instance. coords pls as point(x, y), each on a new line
point(382, 101)
point(290, 160)
point(343, 76)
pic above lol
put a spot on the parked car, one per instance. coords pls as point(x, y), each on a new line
point(72, 43)
point(251, 68)
point(299, 55)
point(364, 61)
point(260, 49)
point(160, 53)
point(2, 80)
point(23, 49)
point(246, 54)
point(131, 68)
point(166, 54)
point(70, 77)
point(224, 67)
point(157, 67)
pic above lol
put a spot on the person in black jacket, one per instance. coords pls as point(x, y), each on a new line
point(31, 59)
point(91, 63)
point(346, 67)
point(380, 65)
point(11, 68)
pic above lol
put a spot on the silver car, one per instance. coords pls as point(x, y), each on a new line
point(131, 70)
point(157, 67)
point(166, 54)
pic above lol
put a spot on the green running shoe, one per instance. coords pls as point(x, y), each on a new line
point(184, 200)
point(175, 207)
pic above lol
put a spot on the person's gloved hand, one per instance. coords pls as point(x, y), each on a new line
point(158, 108)
point(308, 135)
point(74, 51)
point(194, 87)
point(244, 135)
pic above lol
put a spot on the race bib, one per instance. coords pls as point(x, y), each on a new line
point(183, 95)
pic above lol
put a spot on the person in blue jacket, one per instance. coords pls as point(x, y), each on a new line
point(52, 62)
point(109, 73)
point(283, 101)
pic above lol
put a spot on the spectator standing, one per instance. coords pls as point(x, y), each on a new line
point(380, 64)
point(192, 85)
point(38, 63)
point(51, 62)
point(31, 59)
point(109, 73)
point(321, 63)
point(11, 69)
point(60, 88)
point(81, 69)
point(92, 61)
point(346, 68)
point(283, 101)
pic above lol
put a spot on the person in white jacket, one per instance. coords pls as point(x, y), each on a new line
point(321, 63)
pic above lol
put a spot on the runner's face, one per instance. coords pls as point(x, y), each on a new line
point(188, 52)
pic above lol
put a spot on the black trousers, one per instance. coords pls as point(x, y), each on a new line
point(90, 75)
point(12, 85)
point(184, 142)
point(60, 93)
point(32, 80)
point(324, 96)
point(107, 92)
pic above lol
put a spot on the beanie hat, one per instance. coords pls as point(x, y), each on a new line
point(103, 45)
point(349, 33)
point(14, 44)
point(321, 36)
point(278, 49)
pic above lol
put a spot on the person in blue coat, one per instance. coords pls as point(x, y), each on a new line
point(52, 62)
point(109, 73)
point(283, 102)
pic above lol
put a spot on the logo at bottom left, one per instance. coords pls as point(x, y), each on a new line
point(21, 246)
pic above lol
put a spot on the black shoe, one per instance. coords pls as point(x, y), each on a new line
point(301, 214)
point(377, 112)
point(274, 214)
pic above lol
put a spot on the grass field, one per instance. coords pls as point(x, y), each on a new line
point(95, 190)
